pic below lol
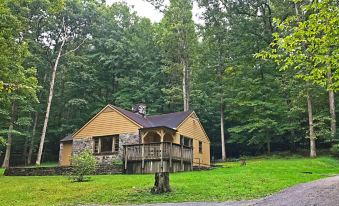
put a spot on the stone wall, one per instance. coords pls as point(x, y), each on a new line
point(128, 138)
point(80, 145)
point(108, 159)
point(52, 171)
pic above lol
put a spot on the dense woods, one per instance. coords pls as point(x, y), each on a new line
point(261, 74)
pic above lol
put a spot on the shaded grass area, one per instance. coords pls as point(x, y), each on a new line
point(260, 177)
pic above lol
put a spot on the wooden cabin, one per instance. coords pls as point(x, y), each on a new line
point(145, 144)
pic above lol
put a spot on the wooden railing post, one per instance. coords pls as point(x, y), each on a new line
point(170, 155)
point(161, 156)
point(191, 158)
point(182, 158)
point(143, 156)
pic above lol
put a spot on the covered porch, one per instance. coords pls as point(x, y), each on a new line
point(157, 153)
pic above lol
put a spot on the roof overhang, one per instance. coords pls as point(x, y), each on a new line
point(68, 138)
point(156, 128)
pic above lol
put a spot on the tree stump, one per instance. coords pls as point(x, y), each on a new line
point(242, 162)
point(161, 184)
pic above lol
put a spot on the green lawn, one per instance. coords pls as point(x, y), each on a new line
point(260, 177)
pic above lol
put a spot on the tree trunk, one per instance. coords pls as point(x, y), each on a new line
point(293, 147)
point(333, 116)
point(161, 184)
point(25, 153)
point(332, 110)
point(313, 152)
point(185, 83)
point(184, 56)
point(222, 133)
point(5, 164)
point(31, 146)
point(49, 102)
point(268, 146)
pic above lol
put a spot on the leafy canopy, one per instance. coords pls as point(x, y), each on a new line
point(309, 43)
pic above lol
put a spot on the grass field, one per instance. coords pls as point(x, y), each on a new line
point(260, 177)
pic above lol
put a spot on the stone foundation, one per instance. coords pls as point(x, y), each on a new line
point(108, 159)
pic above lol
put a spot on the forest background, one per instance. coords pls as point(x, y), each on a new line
point(260, 74)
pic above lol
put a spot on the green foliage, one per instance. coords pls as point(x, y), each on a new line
point(18, 81)
point(260, 104)
point(13, 75)
point(117, 162)
point(304, 44)
point(335, 150)
point(126, 59)
point(2, 144)
point(230, 181)
point(177, 40)
point(83, 164)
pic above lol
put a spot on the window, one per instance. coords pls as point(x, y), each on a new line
point(200, 147)
point(186, 141)
point(106, 144)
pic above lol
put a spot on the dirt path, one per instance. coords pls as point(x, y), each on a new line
point(324, 192)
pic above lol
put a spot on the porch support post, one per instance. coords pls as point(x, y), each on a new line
point(143, 137)
point(192, 158)
point(143, 150)
point(182, 157)
point(170, 156)
point(162, 134)
point(142, 156)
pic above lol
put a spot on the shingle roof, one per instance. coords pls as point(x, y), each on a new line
point(68, 137)
point(170, 120)
point(135, 117)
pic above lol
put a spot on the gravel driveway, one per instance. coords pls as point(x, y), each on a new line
point(324, 192)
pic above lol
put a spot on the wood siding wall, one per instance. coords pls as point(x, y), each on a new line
point(66, 154)
point(107, 122)
point(192, 128)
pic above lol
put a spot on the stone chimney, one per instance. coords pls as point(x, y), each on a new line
point(139, 109)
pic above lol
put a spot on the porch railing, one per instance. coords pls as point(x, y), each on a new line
point(163, 151)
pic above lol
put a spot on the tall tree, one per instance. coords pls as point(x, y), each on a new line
point(18, 83)
point(234, 31)
point(177, 38)
point(308, 47)
point(64, 35)
point(216, 40)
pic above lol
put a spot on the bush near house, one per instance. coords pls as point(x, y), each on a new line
point(83, 164)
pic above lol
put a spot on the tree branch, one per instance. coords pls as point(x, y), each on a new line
point(73, 50)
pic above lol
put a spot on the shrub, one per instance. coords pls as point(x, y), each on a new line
point(117, 162)
point(83, 164)
point(335, 150)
